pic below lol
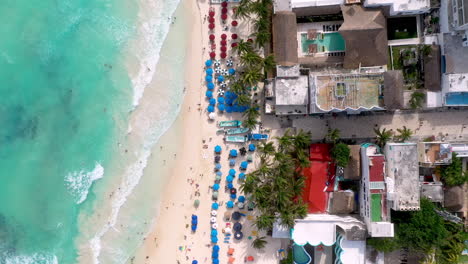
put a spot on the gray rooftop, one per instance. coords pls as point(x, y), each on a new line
point(291, 95)
point(403, 175)
point(433, 192)
point(287, 71)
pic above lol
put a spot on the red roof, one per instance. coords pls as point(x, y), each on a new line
point(376, 169)
point(320, 152)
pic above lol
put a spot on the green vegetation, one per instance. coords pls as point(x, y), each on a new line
point(333, 135)
point(340, 154)
point(424, 231)
point(259, 242)
point(403, 134)
point(407, 59)
point(452, 175)
point(289, 259)
point(382, 136)
point(250, 117)
point(417, 99)
point(276, 186)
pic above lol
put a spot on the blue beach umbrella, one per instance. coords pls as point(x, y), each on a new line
point(209, 71)
point(217, 166)
point(215, 255)
point(232, 71)
point(235, 108)
point(220, 78)
point(229, 178)
point(208, 63)
point(215, 261)
point(241, 176)
point(209, 94)
point(230, 204)
point(221, 107)
point(221, 100)
point(210, 86)
point(219, 173)
point(252, 147)
point(229, 109)
point(232, 162)
point(232, 172)
point(214, 232)
point(233, 153)
point(212, 101)
point(216, 187)
point(194, 262)
point(217, 149)
point(214, 206)
point(210, 109)
point(233, 196)
point(241, 199)
point(214, 240)
point(230, 186)
point(244, 165)
point(208, 78)
point(216, 248)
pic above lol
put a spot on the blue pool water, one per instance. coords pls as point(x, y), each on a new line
point(300, 255)
point(456, 98)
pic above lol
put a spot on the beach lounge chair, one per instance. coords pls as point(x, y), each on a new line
point(230, 251)
point(231, 260)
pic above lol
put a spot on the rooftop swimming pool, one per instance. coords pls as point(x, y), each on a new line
point(456, 98)
point(300, 255)
point(326, 42)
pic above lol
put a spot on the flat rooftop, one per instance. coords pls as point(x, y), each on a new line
point(341, 92)
point(403, 170)
point(400, 5)
point(435, 153)
point(292, 95)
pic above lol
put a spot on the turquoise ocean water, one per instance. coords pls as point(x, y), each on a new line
point(65, 97)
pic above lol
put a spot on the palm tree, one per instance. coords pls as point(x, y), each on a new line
point(382, 136)
point(262, 37)
point(252, 112)
point(302, 140)
point(238, 88)
point(252, 76)
point(261, 10)
point(250, 123)
point(333, 135)
point(269, 63)
point(259, 242)
point(251, 59)
point(243, 47)
point(243, 99)
point(416, 100)
point(404, 134)
point(266, 148)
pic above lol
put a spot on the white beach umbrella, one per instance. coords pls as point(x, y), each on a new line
point(217, 63)
point(213, 219)
point(214, 226)
point(225, 72)
point(227, 230)
point(214, 213)
point(220, 92)
point(223, 85)
point(212, 116)
point(240, 205)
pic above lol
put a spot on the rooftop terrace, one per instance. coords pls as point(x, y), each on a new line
point(343, 92)
point(435, 153)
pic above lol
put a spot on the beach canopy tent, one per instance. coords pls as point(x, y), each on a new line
point(217, 149)
point(224, 10)
point(209, 71)
point(220, 100)
point(223, 48)
point(241, 199)
point(223, 43)
point(223, 55)
point(208, 63)
point(218, 166)
point(223, 36)
point(210, 86)
point(232, 162)
point(229, 178)
point(215, 206)
point(212, 36)
point(241, 176)
point(220, 78)
point(252, 147)
point(221, 107)
point(244, 165)
point(208, 78)
point(232, 71)
point(210, 109)
point(234, 36)
point(211, 26)
point(233, 153)
point(212, 55)
point(209, 94)
point(237, 226)
point(212, 101)
point(230, 186)
point(232, 172)
point(216, 187)
point(234, 23)
point(230, 204)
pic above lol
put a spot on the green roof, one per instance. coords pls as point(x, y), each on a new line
point(376, 207)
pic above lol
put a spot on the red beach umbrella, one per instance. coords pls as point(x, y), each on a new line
point(224, 4)
point(224, 10)
point(223, 42)
point(212, 37)
point(234, 36)
point(211, 13)
point(223, 36)
point(223, 55)
point(223, 48)
point(212, 55)
point(250, 40)
point(234, 23)
point(233, 45)
point(211, 26)
point(223, 16)
point(211, 20)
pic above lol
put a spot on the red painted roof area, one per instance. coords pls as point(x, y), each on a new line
point(320, 152)
point(376, 168)
point(315, 192)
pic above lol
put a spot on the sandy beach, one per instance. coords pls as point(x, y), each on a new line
point(191, 175)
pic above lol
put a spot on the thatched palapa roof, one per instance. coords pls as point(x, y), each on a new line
point(353, 170)
point(285, 38)
point(393, 90)
point(365, 34)
point(432, 73)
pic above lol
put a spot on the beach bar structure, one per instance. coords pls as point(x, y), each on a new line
point(374, 208)
point(402, 167)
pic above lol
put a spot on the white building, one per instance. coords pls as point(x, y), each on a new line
point(460, 18)
point(402, 7)
point(373, 196)
point(455, 89)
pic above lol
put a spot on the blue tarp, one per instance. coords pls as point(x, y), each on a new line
point(230, 204)
point(208, 63)
point(210, 86)
point(212, 101)
point(210, 109)
point(216, 187)
point(233, 153)
point(209, 94)
point(252, 147)
point(217, 149)
point(232, 172)
point(229, 178)
point(215, 206)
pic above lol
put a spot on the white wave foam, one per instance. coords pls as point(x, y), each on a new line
point(79, 182)
point(35, 258)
